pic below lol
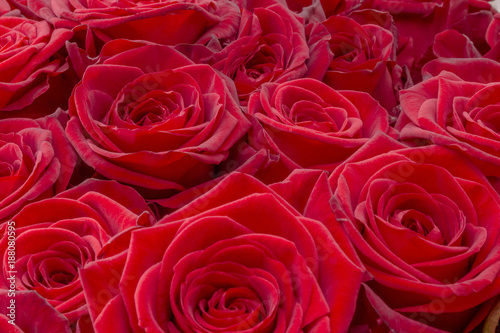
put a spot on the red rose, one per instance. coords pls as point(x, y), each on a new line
point(31, 313)
point(56, 237)
point(424, 222)
point(419, 21)
point(36, 161)
point(270, 46)
point(31, 68)
point(352, 56)
point(456, 107)
point(160, 123)
point(192, 21)
point(239, 258)
point(307, 124)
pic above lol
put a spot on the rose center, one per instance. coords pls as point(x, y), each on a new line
point(56, 272)
point(413, 220)
point(13, 38)
point(153, 107)
point(227, 307)
point(263, 62)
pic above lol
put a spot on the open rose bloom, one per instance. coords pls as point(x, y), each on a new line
point(255, 166)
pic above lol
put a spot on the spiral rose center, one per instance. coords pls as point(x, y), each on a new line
point(488, 117)
point(349, 48)
point(13, 38)
point(263, 62)
point(144, 107)
point(55, 272)
point(232, 304)
point(413, 220)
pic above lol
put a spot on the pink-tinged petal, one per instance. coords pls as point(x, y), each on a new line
point(333, 260)
point(216, 196)
point(114, 309)
point(32, 313)
point(393, 319)
point(149, 58)
point(100, 282)
point(108, 169)
point(124, 195)
point(147, 299)
point(147, 247)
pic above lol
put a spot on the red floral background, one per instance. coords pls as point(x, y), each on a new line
point(249, 166)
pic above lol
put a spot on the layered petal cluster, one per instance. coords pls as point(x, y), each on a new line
point(424, 222)
point(457, 107)
point(57, 237)
point(308, 124)
point(352, 56)
point(36, 161)
point(159, 122)
point(199, 21)
point(31, 66)
point(220, 264)
point(270, 46)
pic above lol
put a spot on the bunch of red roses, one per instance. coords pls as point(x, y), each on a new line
point(249, 166)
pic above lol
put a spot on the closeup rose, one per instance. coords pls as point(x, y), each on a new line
point(36, 161)
point(270, 46)
point(158, 122)
point(419, 21)
point(221, 264)
point(56, 237)
point(310, 125)
point(352, 56)
point(30, 67)
point(476, 22)
point(424, 222)
point(457, 106)
point(193, 21)
point(31, 313)
point(474, 37)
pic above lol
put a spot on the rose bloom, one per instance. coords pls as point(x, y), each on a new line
point(56, 237)
point(242, 257)
point(36, 161)
point(424, 222)
point(457, 106)
point(419, 21)
point(192, 21)
point(349, 55)
point(307, 124)
point(270, 46)
point(30, 67)
point(158, 122)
